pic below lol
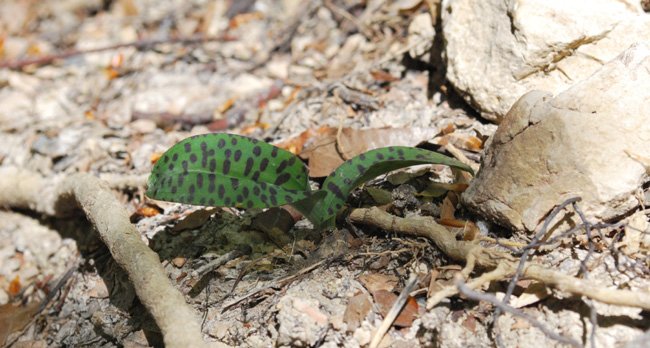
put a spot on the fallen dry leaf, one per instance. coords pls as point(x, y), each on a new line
point(325, 154)
point(356, 311)
point(14, 318)
point(374, 282)
point(385, 300)
point(195, 219)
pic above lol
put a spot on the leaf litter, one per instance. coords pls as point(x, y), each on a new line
point(270, 73)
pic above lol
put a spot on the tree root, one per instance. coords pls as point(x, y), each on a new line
point(503, 265)
point(59, 196)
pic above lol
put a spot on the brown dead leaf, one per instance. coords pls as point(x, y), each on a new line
point(295, 144)
point(385, 300)
point(155, 157)
point(382, 76)
point(470, 322)
point(468, 143)
point(471, 231)
point(14, 318)
point(273, 218)
point(325, 154)
point(14, 286)
point(149, 211)
point(195, 219)
point(451, 222)
point(356, 311)
point(448, 207)
point(374, 282)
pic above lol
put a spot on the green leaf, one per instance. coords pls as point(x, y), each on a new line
point(361, 169)
point(228, 170)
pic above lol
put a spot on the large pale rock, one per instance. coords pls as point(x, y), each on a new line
point(588, 141)
point(497, 50)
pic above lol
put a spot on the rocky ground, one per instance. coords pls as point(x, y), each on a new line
point(105, 87)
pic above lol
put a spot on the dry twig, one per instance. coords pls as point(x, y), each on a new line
point(57, 197)
point(489, 259)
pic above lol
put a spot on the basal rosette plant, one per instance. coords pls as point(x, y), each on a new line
point(228, 170)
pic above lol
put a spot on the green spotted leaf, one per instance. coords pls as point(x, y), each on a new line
point(230, 171)
point(358, 170)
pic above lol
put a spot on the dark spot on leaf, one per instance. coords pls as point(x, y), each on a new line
point(254, 141)
point(237, 155)
point(213, 165)
point(257, 151)
point(274, 200)
point(211, 202)
point(199, 180)
point(235, 183)
point(250, 204)
point(249, 166)
point(202, 201)
point(180, 180)
point(379, 155)
point(166, 159)
point(361, 169)
point(211, 178)
point(281, 167)
point(419, 156)
point(192, 189)
point(246, 192)
point(264, 164)
point(204, 146)
point(193, 158)
point(169, 182)
point(330, 211)
point(227, 153)
point(182, 199)
point(185, 168)
point(221, 191)
point(233, 141)
point(391, 158)
point(221, 143)
point(188, 147)
point(240, 198)
point(274, 152)
point(174, 189)
point(227, 201)
point(226, 167)
point(338, 206)
point(190, 199)
point(336, 190)
point(288, 198)
point(175, 157)
point(256, 190)
point(391, 149)
point(292, 160)
point(171, 167)
point(273, 191)
point(211, 152)
point(264, 199)
point(263, 185)
point(347, 181)
point(282, 179)
point(256, 176)
point(400, 153)
point(362, 157)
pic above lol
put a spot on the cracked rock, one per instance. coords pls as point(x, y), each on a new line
point(498, 50)
point(590, 141)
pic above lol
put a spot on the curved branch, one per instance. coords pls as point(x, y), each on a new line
point(57, 197)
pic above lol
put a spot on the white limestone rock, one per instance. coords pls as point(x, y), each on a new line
point(588, 141)
point(497, 50)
